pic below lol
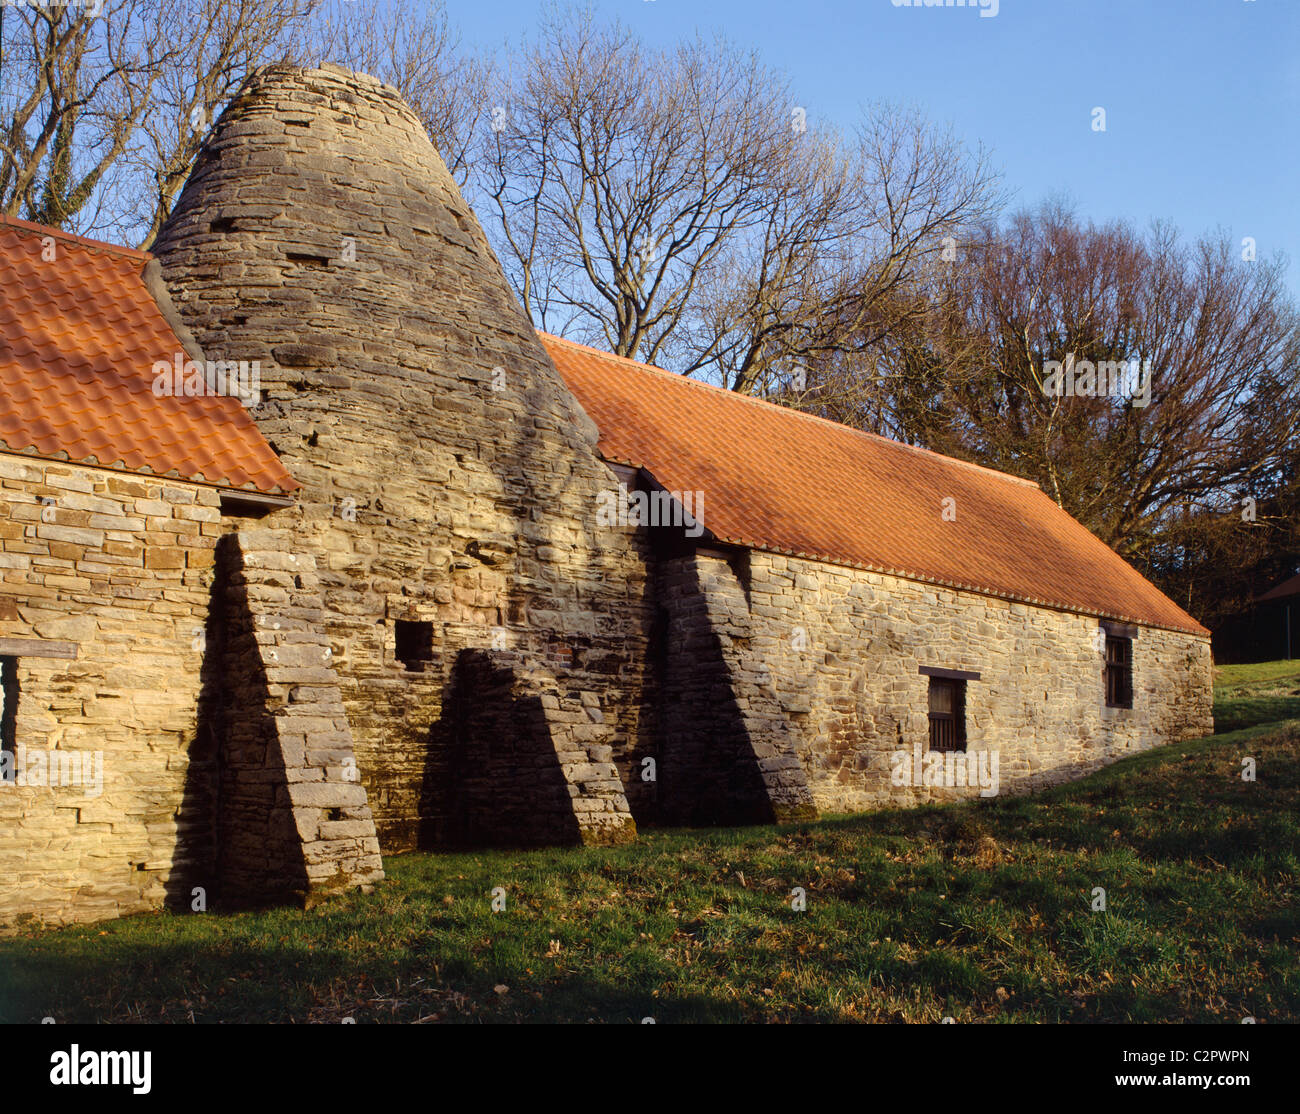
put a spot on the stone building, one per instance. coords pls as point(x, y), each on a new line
point(446, 582)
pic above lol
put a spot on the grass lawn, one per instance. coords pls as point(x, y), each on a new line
point(1266, 692)
point(979, 911)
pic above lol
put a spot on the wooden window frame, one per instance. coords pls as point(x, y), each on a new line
point(9, 693)
point(947, 729)
point(1117, 671)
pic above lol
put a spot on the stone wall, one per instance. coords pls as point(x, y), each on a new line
point(838, 651)
point(449, 477)
point(115, 569)
point(528, 765)
point(292, 822)
point(727, 745)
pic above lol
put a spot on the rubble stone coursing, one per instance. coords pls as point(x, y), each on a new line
point(728, 748)
point(262, 738)
point(528, 765)
point(293, 823)
point(120, 566)
point(168, 777)
point(449, 476)
point(834, 653)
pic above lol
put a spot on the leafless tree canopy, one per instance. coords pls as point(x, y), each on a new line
point(102, 115)
point(679, 207)
point(1218, 334)
point(620, 176)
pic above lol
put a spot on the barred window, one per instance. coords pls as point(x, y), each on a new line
point(947, 714)
point(8, 716)
point(1119, 672)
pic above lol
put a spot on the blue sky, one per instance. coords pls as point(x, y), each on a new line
point(1202, 97)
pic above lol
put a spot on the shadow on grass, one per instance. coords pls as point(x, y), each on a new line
point(1251, 711)
point(1185, 801)
point(978, 910)
point(296, 985)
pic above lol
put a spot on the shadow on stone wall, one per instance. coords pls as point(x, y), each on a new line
point(644, 793)
point(493, 777)
point(237, 832)
point(708, 772)
point(194, 857)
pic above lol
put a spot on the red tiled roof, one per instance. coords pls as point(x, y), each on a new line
point(780, 480)
point(78, 340)
point(1288, 589)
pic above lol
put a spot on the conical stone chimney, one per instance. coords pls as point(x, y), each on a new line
point(451, 482)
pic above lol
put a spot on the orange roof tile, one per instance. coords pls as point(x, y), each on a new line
point(1288, 589)
point(780, 480)
point(78, 340)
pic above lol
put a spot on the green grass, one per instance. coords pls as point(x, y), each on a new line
point(1265, 692)
point(978, 911)
point(1230, 677)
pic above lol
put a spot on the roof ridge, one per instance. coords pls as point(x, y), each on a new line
point(1007, 476)
point(34, 229)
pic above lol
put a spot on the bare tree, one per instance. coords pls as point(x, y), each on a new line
point(102, 113)
point(677, 207)
point(843, 264)
point(74, 86)
point(1132, 375)
point(622, 178)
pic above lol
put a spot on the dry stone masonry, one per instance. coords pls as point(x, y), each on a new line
point(840, 652)
point(529, 765)
point(440, 641)
point(293, 822)
point(450, 479)
point(112, 574)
